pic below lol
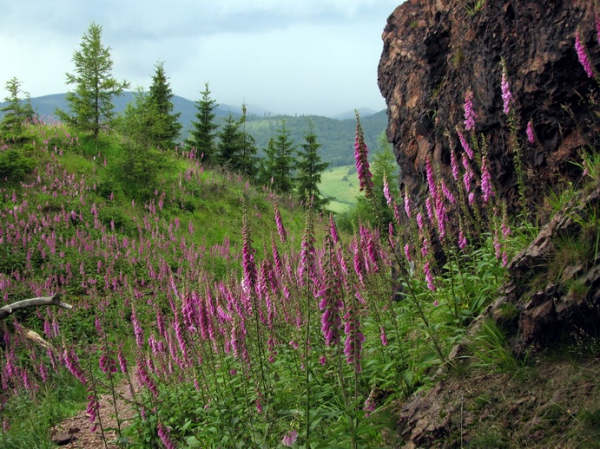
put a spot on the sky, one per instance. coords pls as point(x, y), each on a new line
point(284, 56)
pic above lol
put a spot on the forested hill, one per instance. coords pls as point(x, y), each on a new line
point(335, 136)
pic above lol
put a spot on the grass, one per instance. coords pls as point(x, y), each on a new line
point(340, 183)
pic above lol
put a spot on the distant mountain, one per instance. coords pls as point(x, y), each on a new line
point(336, 135)
point(46, 106)
point(363, 112)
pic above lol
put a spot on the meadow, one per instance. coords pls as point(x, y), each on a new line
point(236, 317)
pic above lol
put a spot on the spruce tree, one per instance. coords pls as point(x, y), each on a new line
point(203, 134)
point(162, 97)
point(283, 163)
point(248, 160)
point(17, 111)
point(91, 102)
point(310, 168)
point(231, 144)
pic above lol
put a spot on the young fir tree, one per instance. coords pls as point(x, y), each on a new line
point(248, 160)
point(310, 168)
point(203, 134)
point(162, 97)
point(91, 103)
point(139, 168)
point(231, 144)
point(278, 163)
point(17, 111)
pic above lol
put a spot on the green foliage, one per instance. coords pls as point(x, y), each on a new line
point(236, 148)
point(14, 166)
point(17, 112)
point(310, 168)
point(165, 120)
point(278, 164)
point(91, 103)
point(202, 135)
point(143, 124)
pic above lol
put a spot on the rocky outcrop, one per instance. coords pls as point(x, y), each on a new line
point(436, 50)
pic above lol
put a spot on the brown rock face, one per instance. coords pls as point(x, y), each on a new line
point(437, 50)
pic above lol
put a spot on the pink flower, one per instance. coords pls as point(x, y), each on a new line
point(582, 55)
point(290, 438)
point(280, 229)
point(383, 337)
point(386, 190)
point(486, 181)
point(163, 433)
point(507, 97)
point(465, 144)
point(429, 277)
point(470, 114)
point(530, 133)
point(361, 161)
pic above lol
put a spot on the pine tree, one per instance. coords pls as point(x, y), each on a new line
point(162, 96)
point(231, 144)
point(91, 103)
point(284, 162)
point(203, 133)
point(17, 111)
point(248, 160)
point(310, 168)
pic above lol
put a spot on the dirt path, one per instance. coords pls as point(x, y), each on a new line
point(75, 432)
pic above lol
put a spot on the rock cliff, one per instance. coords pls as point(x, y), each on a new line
point(437, 50)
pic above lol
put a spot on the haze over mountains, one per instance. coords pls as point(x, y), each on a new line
point(336, 134)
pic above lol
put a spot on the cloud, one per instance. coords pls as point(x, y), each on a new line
point(281, 54)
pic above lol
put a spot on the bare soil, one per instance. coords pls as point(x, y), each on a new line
point(76, 432)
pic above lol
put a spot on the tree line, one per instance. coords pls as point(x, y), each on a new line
point(149, 127)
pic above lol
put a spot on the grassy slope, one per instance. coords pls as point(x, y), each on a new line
point(340, 183)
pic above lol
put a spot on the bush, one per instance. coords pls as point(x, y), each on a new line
point(14, 166)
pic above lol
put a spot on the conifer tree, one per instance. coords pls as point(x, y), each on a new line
point(162, 97)
point(203, 133)
point(231, 143)
point(17, 111)
point(91, 103)
point(248, 160)
point(278, 163)
point(310, 168)
point(284, 162)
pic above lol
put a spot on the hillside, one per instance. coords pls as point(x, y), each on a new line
point(335, 135)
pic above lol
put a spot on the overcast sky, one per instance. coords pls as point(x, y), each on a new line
point(286, 56)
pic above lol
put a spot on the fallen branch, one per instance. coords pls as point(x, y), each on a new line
point(53, 300)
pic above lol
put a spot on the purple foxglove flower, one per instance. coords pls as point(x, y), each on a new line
point(454, 165)
point(429, 276)
point(386, 190)
point(530, 133)
point(465, 144)
point(354, 339)
point(462, 240)
point(582, 55)
point(507, 97)
point(407, 207)
point(333, 230)
point(163, 433)
point(278, 221)
point(448, 194)
point(470, 114)
point(361, 161)
point(383, 337)
point(486, 181)
point(430, 178)
point(290, 438)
